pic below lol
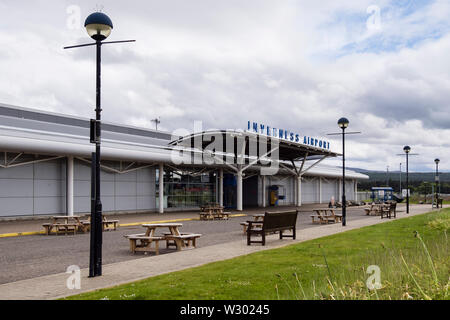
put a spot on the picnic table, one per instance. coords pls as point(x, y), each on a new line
point(65, 224)
point(214, 213)
point(207, 205)
point(256, 218)
point(143, 241)
point(377, 209)
point(107, 225)
point(374, 209)
point(325, 215)
point(72, 224)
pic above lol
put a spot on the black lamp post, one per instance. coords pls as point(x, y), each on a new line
point(437, 180)
point(99, 26)
point(343, 124)
point(407, 150)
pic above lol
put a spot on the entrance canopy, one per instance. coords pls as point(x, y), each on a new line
point(245, 146)
point(241, 150)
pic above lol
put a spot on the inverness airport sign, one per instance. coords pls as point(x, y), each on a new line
point(286, 135)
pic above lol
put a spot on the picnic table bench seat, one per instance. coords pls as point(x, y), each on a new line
point(321, 218)
point(206, 215)
point(107, 225)
point(272, 222)
point(47, 228)
point(110, 225)
point(140, 242)
point(187, 240)
point(66, 227)
point(245, 226)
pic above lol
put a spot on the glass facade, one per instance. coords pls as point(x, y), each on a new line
point(186, 191)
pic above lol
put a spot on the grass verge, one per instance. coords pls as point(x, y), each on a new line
point(412, 255)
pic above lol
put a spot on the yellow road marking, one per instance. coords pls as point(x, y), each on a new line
point(32, 233)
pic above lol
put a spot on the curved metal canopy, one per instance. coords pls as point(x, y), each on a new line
point(230, 142)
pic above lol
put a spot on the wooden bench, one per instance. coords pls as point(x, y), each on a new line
point(389, 210)
point(141, 242)
point(184, 240)
point(272, 222)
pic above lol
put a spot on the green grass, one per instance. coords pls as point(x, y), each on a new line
point(412, 254)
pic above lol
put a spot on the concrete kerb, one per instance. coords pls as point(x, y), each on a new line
point(54, 286)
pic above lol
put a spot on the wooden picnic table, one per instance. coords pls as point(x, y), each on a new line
point(375, 209)
point(151, 228)
point(208, 205)
point(325, 215)
point(66, 224)
point(214, 212)
point(143, 242)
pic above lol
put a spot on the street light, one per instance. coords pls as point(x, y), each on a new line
point(98, 26)
point(407, 150)
point(343, 124)
point(437, 180)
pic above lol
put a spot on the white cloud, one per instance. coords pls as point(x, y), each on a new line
point(298, 65)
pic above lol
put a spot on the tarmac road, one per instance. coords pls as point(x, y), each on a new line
point(27, 257)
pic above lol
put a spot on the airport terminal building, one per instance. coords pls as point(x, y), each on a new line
point(45, 167)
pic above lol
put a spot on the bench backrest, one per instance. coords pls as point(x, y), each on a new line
point(279, 220)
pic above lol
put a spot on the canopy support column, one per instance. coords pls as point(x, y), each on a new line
point(161, 188)
point(263, 186)
point(320, 190)
point(239, 204)
point(69, 186)
point(299, 191)
point(221, 187)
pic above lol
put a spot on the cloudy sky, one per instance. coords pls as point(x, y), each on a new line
point(298, 65)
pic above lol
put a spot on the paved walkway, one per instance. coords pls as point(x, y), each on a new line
point(54, 286)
